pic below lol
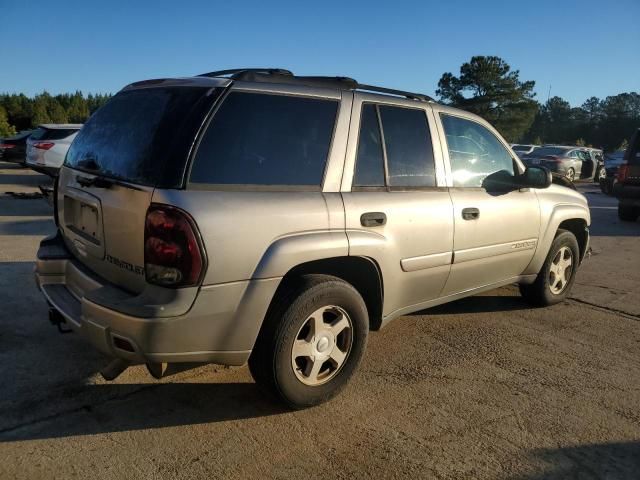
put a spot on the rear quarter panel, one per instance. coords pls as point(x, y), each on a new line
point(257, 235)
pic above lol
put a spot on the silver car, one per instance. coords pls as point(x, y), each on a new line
point(48, 144)
point(563, 160)
point(257, 216)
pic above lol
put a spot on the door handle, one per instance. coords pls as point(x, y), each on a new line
point(470, 213)
point(373, 219)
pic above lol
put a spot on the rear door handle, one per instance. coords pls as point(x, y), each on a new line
point(373, 219)
point(470, 213)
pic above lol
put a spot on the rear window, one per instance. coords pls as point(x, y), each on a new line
point(42, 133)
point(266, 140)
point(543, 151)
point(142, 136)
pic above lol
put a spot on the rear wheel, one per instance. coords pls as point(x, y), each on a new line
point(628, 213)
point(555, 279)
point(600, 175)
point(571, 174)
point(312, 341)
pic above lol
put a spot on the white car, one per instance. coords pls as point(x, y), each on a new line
point(48, 144)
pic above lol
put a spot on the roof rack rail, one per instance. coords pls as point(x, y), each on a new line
point(281, 75)
point(237, 71)
point(391, 91)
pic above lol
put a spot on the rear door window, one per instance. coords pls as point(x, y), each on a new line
point(408, 144)
point(407, 149)
point(266, 140)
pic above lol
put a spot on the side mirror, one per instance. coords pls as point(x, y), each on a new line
point(536, 177)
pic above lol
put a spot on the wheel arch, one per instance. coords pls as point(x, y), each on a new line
point(571, 217)
point(363, 273)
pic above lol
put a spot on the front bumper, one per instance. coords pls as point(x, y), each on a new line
point(213, 324)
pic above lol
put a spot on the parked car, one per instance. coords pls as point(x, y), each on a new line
point(254, 215)
point(611, 163)
point(595, 165)
point(626, 186)
point(565, 160)
point(48, 145)
point(521, 149)
point(13, 149)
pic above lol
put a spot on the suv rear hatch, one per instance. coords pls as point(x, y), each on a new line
point(140, 140)
point(629, 171)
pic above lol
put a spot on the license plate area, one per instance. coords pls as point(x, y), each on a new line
point(83, 222)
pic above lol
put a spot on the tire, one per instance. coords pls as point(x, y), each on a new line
point(601, 174)
point(628, 213)
point(291, 324)
point(542, 292)
point(571, 174)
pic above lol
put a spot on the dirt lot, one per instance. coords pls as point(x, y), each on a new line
point(481, 388)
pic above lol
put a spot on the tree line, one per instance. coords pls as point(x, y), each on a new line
point(489, 87)
point(19, 112)
point(486, 85)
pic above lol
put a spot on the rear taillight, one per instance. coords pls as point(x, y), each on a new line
point(623, 171)
point(43, 145)
point(6, 145)
point(173, 254)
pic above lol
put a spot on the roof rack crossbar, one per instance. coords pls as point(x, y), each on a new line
point(236, 71)
point(400, 93)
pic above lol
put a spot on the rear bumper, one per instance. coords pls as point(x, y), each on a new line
point(216, 324)
point(40, 168)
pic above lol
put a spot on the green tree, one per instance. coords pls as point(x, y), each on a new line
point(6, 130)
point(488, 87)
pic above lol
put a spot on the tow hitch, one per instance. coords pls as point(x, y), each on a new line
point(56, 318)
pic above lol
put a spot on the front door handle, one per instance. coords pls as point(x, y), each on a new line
point(470, 213)
point(373, 219)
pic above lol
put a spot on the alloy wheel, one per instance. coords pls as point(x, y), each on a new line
point(560, 270)
point(322, 345)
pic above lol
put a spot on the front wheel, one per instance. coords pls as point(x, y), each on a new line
point(555, 279)
point(312, 341)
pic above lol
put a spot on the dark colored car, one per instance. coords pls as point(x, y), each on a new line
point(14, 149)
point(627, 183)
point(564, 160)
point(611, 163)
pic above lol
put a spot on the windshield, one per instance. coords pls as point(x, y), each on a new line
point(544, 151)
point(142, 136)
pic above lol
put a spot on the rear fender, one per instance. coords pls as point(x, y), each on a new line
point(287, 252)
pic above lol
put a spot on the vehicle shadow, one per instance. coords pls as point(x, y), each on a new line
point(24, 179)
point(28, 227)
point(24, 207)
point(606, 460)
point(130, 407)
point(478, 304)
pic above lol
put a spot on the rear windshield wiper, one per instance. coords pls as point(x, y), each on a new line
point(98, 182)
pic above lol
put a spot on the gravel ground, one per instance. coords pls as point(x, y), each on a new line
point(481, 388)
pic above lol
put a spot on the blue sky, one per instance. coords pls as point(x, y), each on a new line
point(580, 48)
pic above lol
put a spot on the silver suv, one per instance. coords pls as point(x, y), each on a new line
point(254, 215)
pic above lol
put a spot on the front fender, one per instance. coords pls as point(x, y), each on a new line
point(552, 219)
